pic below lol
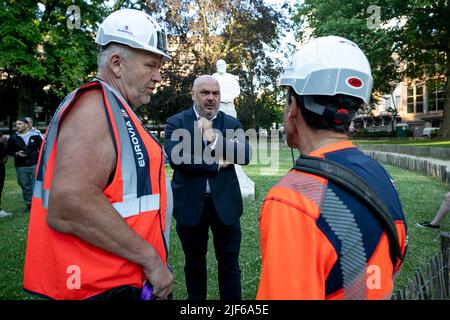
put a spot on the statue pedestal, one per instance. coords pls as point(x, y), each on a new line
point(245, 183)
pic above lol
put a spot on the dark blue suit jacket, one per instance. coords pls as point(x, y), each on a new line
point(193, 162)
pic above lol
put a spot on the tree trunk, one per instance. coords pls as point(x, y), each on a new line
point(445, 128)
point(26, 93)
point(394, 113)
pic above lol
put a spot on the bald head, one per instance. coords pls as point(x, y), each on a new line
point(206, 78)
point(206, 96)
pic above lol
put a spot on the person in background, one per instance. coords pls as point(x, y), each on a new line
point(3, 160)
point(440, 215)
point(24, 146)
point(206, 191)
point(33, 129)
point(320, 240)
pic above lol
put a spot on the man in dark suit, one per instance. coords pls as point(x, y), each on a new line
point(203, 144)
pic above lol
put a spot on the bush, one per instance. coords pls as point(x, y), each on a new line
point(377, 134)
point(434, 134)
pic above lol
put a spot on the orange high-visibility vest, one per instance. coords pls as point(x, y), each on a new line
point(319, 242)
point(62, 266)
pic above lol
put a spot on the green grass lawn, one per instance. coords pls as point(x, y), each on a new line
point(421, 197)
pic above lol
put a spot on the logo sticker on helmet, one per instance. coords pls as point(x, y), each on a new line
point(354, 82)
point(125, 30)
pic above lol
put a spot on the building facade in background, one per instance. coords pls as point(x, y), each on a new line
point(420, 105)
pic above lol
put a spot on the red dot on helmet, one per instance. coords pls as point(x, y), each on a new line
point(354, 82)
point(342, 111)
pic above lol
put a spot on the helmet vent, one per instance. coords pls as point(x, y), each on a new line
point(152, 41)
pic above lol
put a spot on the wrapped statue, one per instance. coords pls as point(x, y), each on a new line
point(229, 88)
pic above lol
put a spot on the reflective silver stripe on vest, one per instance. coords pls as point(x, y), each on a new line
point(128, 165)
point(130, 205)
point(41, 193)
point(52, 132)
point(54, 128)
point(352, 255)
point(134, 206)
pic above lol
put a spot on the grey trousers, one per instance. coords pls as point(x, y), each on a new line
point(25, 178)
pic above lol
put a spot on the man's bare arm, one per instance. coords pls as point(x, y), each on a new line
point(85, 160)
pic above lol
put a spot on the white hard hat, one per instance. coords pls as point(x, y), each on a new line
point(328, 66)
point(133, 28)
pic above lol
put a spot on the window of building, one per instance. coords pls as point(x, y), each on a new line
point(415, 99)
point(387, 104)
point(410, 100)
point(436, 123)
point(419, 99)
point(436, 96)
point(397, 103)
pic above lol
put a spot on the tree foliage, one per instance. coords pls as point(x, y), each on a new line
point(42, 58)
point(41, 48)
point(352, 20)
point(424, 44)
point(241, 32)
point(393, 34)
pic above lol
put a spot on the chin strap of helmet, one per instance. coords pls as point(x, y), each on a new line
point(292, 154)
point(339, 115)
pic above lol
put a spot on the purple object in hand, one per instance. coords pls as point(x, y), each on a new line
point(147, 291)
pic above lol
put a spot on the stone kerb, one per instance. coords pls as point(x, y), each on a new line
point(432, 167)
point(419, 151)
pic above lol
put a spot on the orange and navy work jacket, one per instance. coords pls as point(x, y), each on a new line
point(319, 242)
point(62, 266)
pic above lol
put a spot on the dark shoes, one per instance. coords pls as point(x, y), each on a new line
point(27, 208)
point(426, 224)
